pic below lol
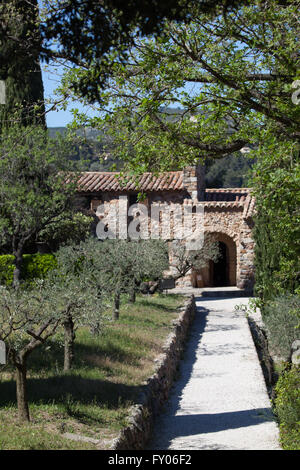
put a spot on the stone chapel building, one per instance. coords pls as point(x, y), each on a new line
point(227, 216)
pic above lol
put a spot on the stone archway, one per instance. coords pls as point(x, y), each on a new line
point(223, 272)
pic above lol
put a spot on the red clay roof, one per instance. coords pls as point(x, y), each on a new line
point(94, 181)
point(227, 194)
point(98, 181)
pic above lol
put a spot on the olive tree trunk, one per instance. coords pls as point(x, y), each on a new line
point(132, 294)
point(18, 269)
point(23, 408)
point(117, 306)
point(19, 360)
point(132, 297)
point(69, 343)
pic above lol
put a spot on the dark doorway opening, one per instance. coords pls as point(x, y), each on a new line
point(220, 271)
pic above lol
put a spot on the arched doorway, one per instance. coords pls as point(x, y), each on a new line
point(219, 268)
point(223, 272)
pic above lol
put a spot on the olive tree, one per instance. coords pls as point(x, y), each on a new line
point(79, 298)
point(30, 316)
point(152, 260)
point(37, 185)
point(27, 320)
point(184, 260)
point(70, 227)
point(114, 267)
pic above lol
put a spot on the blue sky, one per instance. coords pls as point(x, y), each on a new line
point(54, 118)
point(60, 118)
point(51, 80)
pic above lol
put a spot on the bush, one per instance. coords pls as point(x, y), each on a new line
point(275, 183)
point(281, 317)
point(34, 266)
point(6, 269)
point(37, 266)
point(287, 408)
point(66, 228)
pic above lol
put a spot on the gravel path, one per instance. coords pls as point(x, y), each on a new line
point(220, 400)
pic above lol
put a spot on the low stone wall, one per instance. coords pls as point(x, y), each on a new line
point(156, 389)
point(260, 340)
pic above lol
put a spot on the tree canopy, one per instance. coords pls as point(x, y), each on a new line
point(232, 79)
point(230, 75)
point(20, 64)
point(83, 32)
point(34, 190)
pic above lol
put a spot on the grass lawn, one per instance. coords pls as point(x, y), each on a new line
point(92, 400)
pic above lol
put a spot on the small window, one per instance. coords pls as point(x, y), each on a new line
point(133, 199)
point(95, 203)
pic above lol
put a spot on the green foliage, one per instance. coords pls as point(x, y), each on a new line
point(35, 266)
point(38, 265)
point(277, 223)
point(33, 187)
point(232, 89)
point(232, 78)
point(184, 261)
point(105, 381)
point(74, 284)
point(287, 408)
point(98, 34)
point(225, 75)
point(6, 269)
point(88, 146)
point(27, 318)
point(86, 32)
point(281, 317)
point(114, 265)
point(229, 172)
point(65, 229)
point(37, 185)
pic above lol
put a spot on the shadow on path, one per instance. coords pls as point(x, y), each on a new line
point(190, 425)
point(192, 344)
point(170, 426)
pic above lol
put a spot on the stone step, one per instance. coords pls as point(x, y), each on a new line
point(226, 292)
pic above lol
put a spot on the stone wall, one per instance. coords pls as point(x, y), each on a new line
point(227, 224)
point(194, 181)
point(227, 220)
point(156, 389)
point(246, 256)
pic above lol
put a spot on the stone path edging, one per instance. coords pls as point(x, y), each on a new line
point(157, 387)
point(220, 400)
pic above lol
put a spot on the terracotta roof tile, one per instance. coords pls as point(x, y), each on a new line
point(227, 194)
point(91, 182)
point(97, 181)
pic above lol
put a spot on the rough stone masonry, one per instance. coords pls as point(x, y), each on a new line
point(228, 216)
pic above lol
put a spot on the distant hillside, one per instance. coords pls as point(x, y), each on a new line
point(89, 146)
point(227, 172)
point(87, 132)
